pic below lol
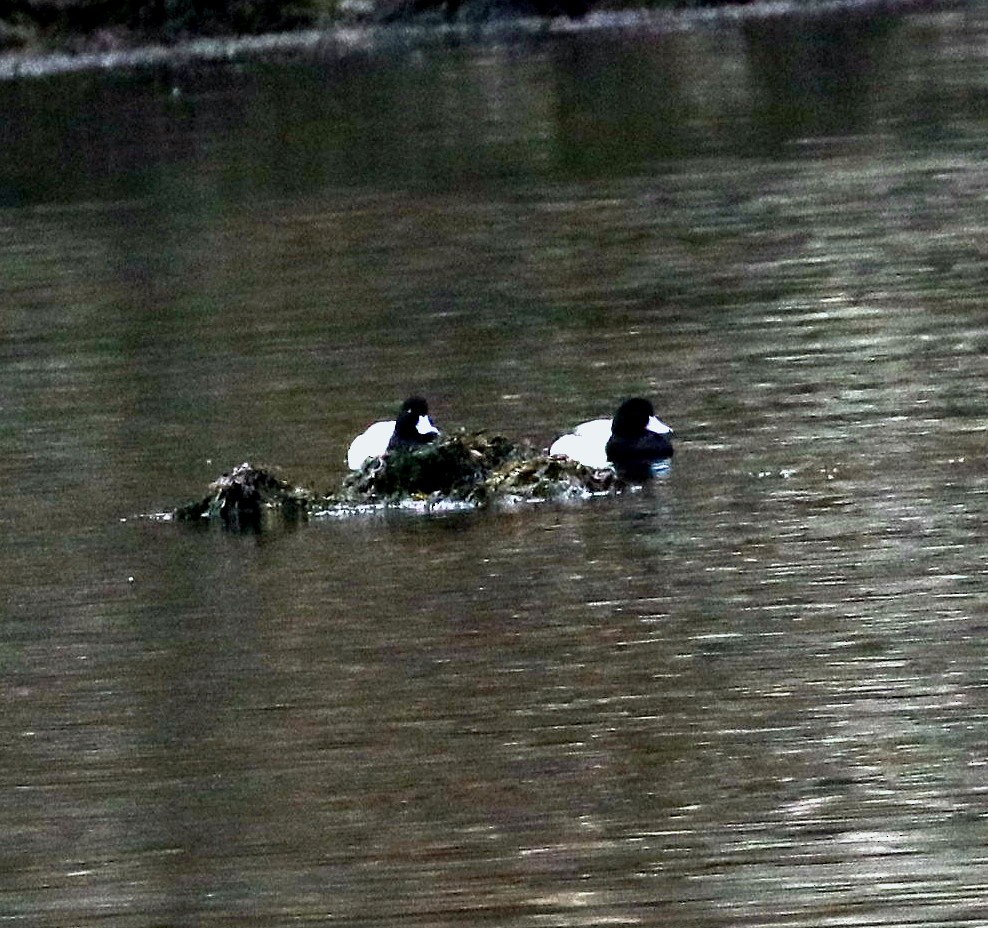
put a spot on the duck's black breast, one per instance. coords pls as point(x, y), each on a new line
point(413, 441)
point(406, 434)
point(632, 457)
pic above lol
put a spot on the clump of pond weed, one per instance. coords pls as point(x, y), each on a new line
point(460, 468)
point(452, 468)
point(240, 498)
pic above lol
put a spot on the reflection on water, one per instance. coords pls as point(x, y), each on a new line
point(818, 77)
point(751, 694)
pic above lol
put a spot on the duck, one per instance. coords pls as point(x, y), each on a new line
point(632, 441)
point(411, 429)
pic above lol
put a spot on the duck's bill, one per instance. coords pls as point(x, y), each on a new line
point(657, 425)
point(425, 427)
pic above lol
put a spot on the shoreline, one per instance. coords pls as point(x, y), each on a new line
point(340, 41)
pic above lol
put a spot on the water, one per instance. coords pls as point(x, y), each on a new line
point(753, 694)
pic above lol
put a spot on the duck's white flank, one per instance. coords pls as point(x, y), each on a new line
point(371, 443)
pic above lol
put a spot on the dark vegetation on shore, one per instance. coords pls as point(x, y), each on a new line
point(104, 25)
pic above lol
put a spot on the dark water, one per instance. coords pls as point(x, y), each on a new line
point(753, 695)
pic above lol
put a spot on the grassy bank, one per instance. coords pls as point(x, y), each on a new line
point(45, 37)
point(78, 24)
point(113, 25)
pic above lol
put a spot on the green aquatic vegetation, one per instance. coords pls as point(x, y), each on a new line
point(241, 498)
point(460, 469)
point(544, 477)
point(478, 469)
point(452, 467)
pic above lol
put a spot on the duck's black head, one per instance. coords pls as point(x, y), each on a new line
point(414, 406)
point(631, 418)
point(413, 426)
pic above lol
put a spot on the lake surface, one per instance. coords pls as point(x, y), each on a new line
point(752, 694)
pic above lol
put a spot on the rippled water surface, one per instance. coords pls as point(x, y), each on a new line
point(753, 694)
